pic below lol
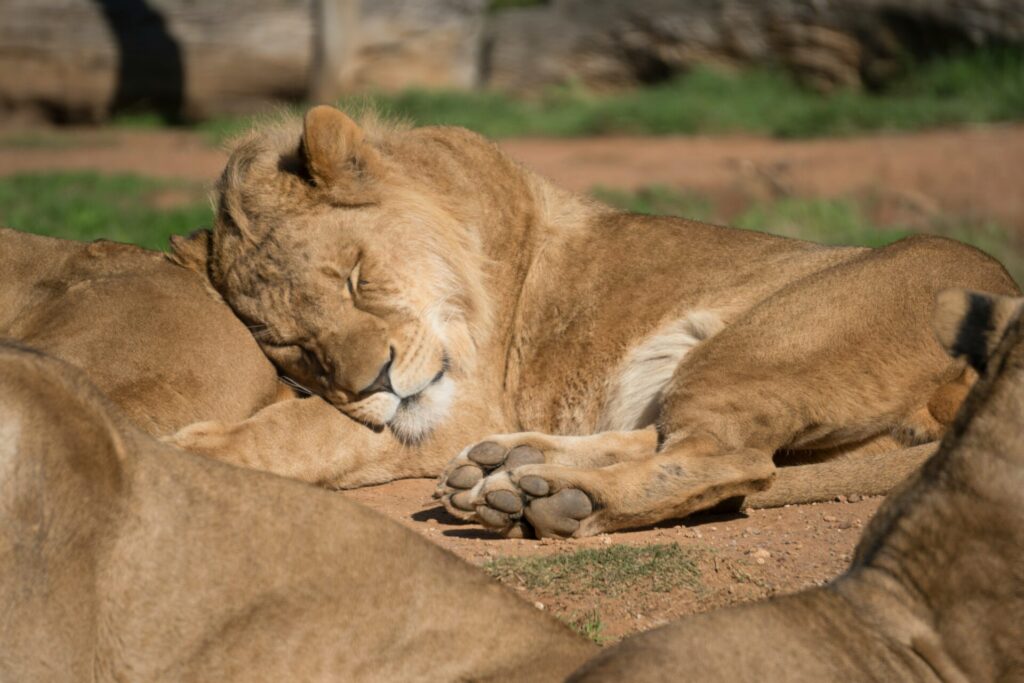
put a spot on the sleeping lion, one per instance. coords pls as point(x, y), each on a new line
point(588, 369)
point(124, 559)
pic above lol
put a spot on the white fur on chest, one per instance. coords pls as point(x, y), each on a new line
point(633, 398)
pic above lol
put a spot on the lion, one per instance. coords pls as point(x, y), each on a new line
point(934, 589)
point(590, 370)
point(151, 335)
point(125, 559)
point(122, 558)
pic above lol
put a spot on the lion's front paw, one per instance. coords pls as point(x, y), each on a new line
point(548, 500)
point(522, 499)
point(465, 473)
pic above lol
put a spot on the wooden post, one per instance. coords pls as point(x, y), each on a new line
point(334, 30)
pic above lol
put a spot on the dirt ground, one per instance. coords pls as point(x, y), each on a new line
point(740, 557)
point(966, 172)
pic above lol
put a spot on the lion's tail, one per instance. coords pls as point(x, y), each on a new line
point(866, 474)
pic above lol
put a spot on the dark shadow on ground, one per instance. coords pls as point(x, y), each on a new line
point(471, 534)
point(438, 514)
point(724, 512)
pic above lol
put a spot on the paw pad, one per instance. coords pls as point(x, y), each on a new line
point(482, 485)
point(487, 453)
point(560, 514)
point(465, 477)
point(535, 486)
point(463, 500)
point(505, 501)
point(523, 455)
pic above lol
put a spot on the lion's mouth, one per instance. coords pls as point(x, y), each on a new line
point(408, 401)
point(410, 417)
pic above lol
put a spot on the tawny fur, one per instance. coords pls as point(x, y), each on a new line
point(634, 397)
point(541, 310)
point(498, 302)
point(151, 335)
point(934, 589)
point(123, 559)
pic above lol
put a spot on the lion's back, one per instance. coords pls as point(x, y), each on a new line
point(145, 331)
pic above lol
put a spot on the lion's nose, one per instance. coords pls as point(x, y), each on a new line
point(383, 380)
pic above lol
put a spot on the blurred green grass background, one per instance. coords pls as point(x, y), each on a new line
point(984, 86)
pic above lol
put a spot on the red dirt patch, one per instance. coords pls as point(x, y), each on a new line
point(740, 557)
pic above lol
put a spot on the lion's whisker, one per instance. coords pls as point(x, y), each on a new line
point(295, 385)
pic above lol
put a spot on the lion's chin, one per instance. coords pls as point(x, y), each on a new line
point(411, 418)
point(417, 415)
point(375, 411)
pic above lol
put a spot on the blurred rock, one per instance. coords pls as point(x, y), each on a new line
point(78, 60)
point(422, 43)
point(827, 43)
point(607, 43)
point(81, 60)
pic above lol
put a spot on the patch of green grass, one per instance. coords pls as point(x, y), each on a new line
point(588, 625)
point(145, 120)
point(55, 139)
point(608, 571)
point(980, 87)
point(216, 130)
point(827, 221)
point(841, 221)
point(87, 206)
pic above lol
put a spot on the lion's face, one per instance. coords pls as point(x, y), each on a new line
point(366, 301)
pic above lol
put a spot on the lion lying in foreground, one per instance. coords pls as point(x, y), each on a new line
point(636, 368)
point(124, 559)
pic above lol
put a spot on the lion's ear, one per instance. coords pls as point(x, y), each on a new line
point(192, 252)
point(338, 158)
point(971, 324)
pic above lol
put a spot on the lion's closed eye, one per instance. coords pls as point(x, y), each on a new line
point(354, 281)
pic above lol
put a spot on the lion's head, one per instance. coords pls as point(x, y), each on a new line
point(359, 284)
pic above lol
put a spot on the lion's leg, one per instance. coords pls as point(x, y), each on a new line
point(562, 501)
point(503, 452)
point(872, 468)
point(551, 500)
point(305, 439)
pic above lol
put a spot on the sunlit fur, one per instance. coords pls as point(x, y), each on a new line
point(426, 284)
point(634, 397)
point(282, 257)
